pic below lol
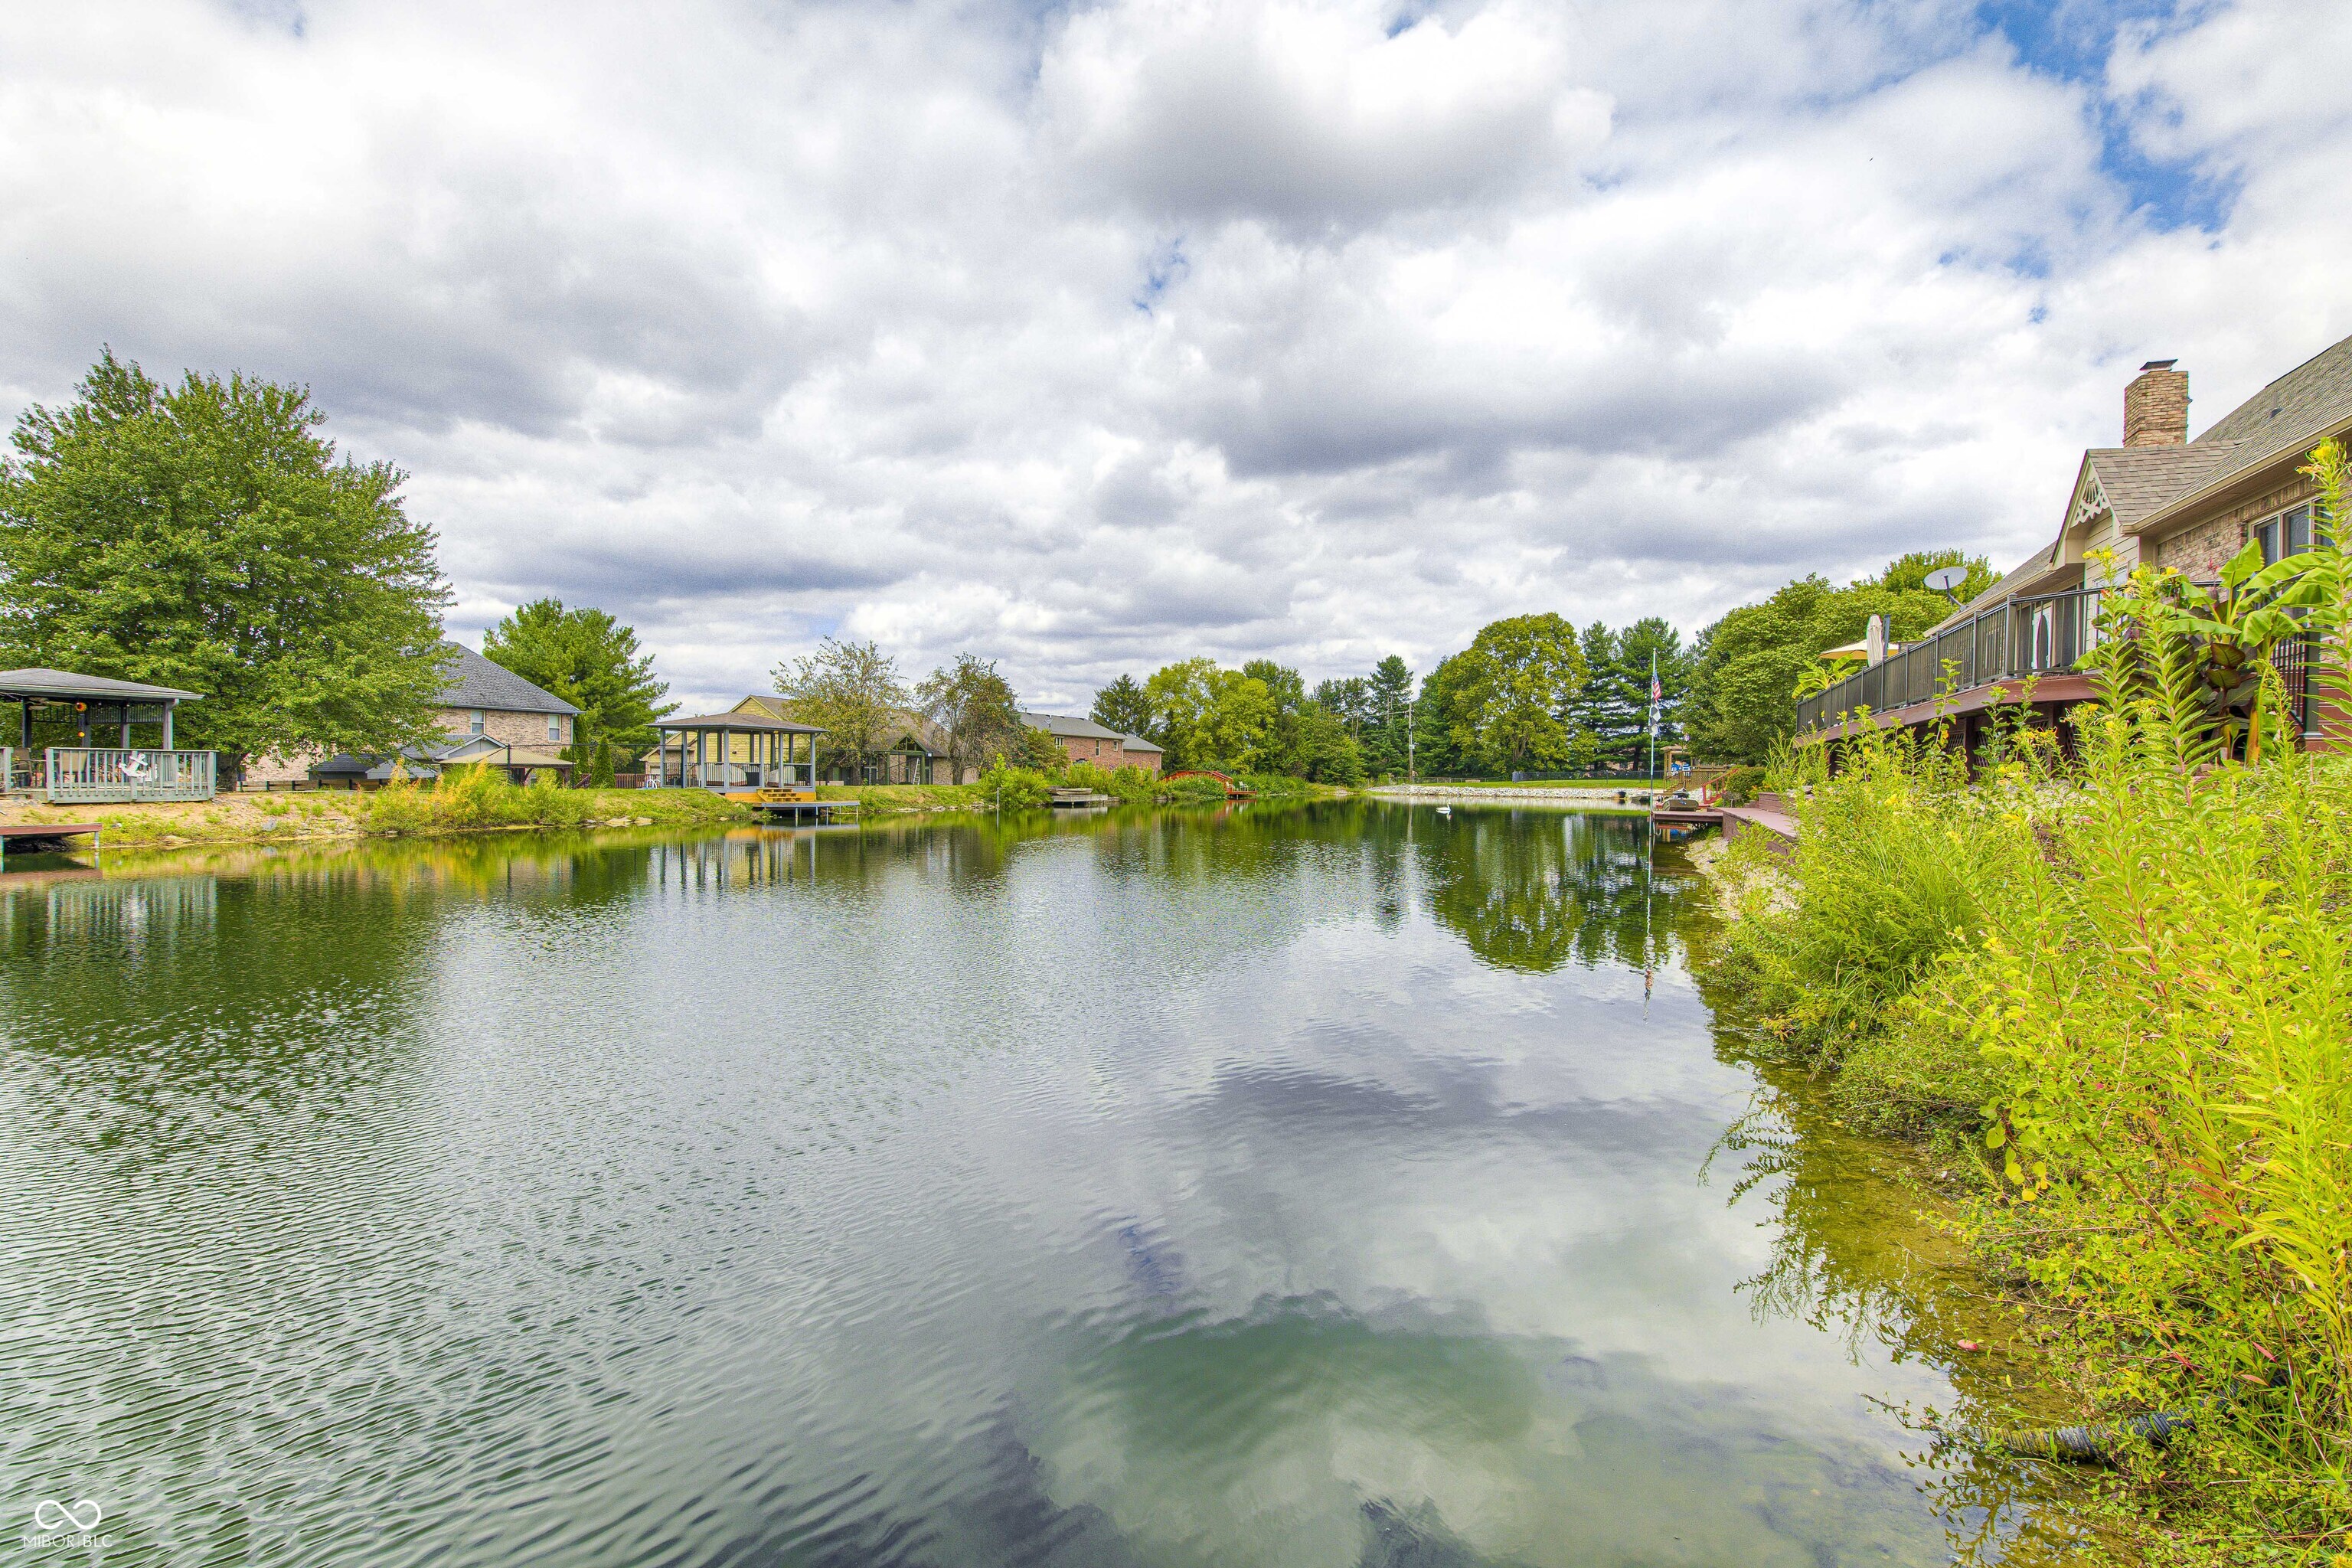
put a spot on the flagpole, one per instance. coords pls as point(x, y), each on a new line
point(1653, 713)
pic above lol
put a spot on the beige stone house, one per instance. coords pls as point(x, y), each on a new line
point(2161, 498)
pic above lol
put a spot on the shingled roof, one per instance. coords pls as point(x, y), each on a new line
point(2140, 480)
point(1070, 725)
point(476, 682)
point(2291, 411)
point(2288, 417)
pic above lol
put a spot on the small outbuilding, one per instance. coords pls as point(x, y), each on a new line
point(98, 775)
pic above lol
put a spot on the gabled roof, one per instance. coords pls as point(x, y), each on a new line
point(64, 686)
point(476, 682)
point(2286, 419)
point(1065, 724)
point(2139, 484)
point(426, 761)
point(1138, 743)
point(909, 726)
point(2140, 480)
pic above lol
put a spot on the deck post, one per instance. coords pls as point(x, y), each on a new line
point(169, 703)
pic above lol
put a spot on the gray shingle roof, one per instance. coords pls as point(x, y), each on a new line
point(2286, 418)
point(1065, 724)
point(2140, 480)
point(2289, 416)
point(476, 682)
point(2292, 410)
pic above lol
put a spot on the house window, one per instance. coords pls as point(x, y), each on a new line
point(2289, 533)
point(554, 726)
point(474, 721)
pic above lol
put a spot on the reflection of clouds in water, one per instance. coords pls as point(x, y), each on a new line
point(1301, 1434)
point(1153, 1193)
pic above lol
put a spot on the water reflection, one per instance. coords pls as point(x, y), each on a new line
point(1535, 890)
point(1268, 1186)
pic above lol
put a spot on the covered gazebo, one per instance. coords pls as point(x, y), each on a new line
point(97, 773)
point(725, 752)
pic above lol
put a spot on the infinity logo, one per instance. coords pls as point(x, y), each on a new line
point(57, 1517)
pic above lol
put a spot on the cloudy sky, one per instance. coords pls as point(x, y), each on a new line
point(1087, 337)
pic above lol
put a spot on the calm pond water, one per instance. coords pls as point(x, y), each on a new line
point(1301, 1188)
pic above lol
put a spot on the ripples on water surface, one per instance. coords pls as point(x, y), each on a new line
point(1300, 1189)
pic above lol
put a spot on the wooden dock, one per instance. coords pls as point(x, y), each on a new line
point(1766, 814)
point(42, 838)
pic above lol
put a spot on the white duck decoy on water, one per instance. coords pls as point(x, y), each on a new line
point(1444, 811)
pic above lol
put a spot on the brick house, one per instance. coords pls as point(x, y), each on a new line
point(482, 701)
point(487, 698)
point(1084, 740)
point(2158, 499)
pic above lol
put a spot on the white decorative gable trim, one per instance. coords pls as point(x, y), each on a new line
point(2090, 500)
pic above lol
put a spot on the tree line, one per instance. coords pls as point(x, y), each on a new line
point(207, 536)
point(1531, 693)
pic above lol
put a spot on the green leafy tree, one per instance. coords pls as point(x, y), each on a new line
point(1123, 707)
point(205, 536)
point(1749, 664)
point(1519, 675)
point(1319, 746)
point(1210, 718)
point(976, 710)
point(1039, 752)
point(591, 661)
point(1285, 689)
point(1284, 686)
point(850, 690)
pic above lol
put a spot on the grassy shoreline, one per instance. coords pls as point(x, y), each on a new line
point(2111, 997)
point(478, 805)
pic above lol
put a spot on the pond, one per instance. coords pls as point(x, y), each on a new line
point(1328, 1185)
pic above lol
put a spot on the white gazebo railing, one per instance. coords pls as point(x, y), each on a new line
point(93, 775)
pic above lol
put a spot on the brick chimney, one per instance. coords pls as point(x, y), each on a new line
point(2156, 405)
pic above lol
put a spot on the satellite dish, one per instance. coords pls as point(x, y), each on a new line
point(1944, 579)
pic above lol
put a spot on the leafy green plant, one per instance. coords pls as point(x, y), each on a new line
point(1016, 788)
point(2123, 975)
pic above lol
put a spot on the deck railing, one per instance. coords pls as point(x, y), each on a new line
point(728, 776)
point(2041, 635)
point(96, 775)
